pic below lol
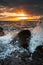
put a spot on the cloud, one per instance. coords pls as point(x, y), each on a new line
point(31, 7)
point(17, 2)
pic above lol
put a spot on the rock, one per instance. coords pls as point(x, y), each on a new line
point(24, 37)
point(38, 54)
point(1, 31)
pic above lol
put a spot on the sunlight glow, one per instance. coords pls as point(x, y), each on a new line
point(22, 18)
point(16, 16)
point(12, 14)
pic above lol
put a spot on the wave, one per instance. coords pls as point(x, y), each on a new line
point(6, 48)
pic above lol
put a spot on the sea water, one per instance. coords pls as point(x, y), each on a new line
point(6, 47)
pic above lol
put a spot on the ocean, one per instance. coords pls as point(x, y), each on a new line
point(9, 44)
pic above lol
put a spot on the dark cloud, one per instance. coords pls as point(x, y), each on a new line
point(17, 2)
point(31, 6)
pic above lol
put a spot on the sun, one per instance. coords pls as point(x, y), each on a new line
point(22, 18)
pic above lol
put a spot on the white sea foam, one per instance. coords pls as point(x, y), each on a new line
point(6, 48)
point(37, 38)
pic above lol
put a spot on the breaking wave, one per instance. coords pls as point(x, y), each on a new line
point(6, 47)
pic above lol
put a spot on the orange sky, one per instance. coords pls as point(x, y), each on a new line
point(7, 16)
point(11, 14)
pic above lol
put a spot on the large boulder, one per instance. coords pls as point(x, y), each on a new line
point(24, 37)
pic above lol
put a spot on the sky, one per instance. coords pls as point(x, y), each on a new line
point(20, 9)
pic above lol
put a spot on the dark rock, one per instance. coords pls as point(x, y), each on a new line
point(38, 55)
point(1, 31)
point(24, 38)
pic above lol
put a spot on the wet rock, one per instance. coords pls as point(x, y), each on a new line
point(24, 38)
point(1, 31)
point(38, 55)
